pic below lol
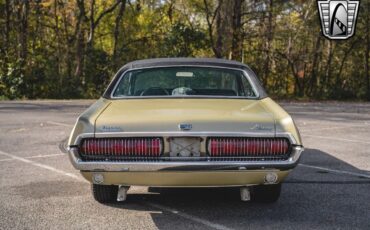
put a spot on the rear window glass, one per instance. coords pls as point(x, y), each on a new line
point(184, 82)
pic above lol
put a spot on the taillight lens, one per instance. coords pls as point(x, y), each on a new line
point(226, 146)
point(144, 147)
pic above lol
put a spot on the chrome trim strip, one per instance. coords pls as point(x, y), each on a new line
point(254, 88)
point(160, 166)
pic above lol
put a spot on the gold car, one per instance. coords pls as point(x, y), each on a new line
point(182, 122)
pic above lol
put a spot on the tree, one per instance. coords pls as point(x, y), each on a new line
point(71, 49)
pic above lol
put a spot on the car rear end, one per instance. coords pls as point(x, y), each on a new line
point(178, 137)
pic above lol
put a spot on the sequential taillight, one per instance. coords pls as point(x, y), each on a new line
point(128, 147)
point(247, 147)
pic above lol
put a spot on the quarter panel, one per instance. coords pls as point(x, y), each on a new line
point(283, 121)
point(86, 121)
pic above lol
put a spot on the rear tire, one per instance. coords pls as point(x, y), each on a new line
point(105, 193)
point(266, 193)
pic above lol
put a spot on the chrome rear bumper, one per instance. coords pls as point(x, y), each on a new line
point(107, 166)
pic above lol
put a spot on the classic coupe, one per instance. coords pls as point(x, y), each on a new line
point(185, 122)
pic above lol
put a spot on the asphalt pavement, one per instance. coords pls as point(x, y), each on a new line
point(39, 188)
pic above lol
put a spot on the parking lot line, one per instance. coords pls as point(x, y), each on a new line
point(37, 156)
point(59, 123)
point(34, 163)
point(163, 208)
point(6, 159)
point(338, 127)
point(47, 155)
point(336, 171)
point(189, 217)
point(336, 139)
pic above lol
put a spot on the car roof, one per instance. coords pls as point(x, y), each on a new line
point(184, 61)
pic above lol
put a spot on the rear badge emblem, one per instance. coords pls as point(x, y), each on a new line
point(261, 128)
point(185, 127)
point(107, 128)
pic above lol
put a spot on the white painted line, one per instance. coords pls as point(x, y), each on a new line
point(7, 159)
point(59, 123)
point(18, 130)
point(337, 171)
point(34, 163)
point(323, 112)
point(339, 127)
point(304, 113)
point(189, 217)
point(336, 139)
point(48, 155)
point(37, 156)
point(163, 208)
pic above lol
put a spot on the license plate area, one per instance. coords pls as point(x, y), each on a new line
point(185, 147)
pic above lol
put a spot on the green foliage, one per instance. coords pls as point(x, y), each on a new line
point(72, 49)
point(97, 72)
point(184, 41)
point(12, 81)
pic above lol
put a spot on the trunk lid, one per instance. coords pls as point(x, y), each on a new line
point(204, 115)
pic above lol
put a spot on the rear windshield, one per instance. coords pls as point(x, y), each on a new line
point(184, 82)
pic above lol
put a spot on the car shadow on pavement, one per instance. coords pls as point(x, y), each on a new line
point(310, 197)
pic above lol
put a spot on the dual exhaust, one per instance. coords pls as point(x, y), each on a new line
point(245, 194)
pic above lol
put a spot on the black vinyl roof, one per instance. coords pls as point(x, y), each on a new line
point(184, 61)
point(168, 62)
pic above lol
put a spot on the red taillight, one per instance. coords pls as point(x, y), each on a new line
point(257, 147)
point(136, 147)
